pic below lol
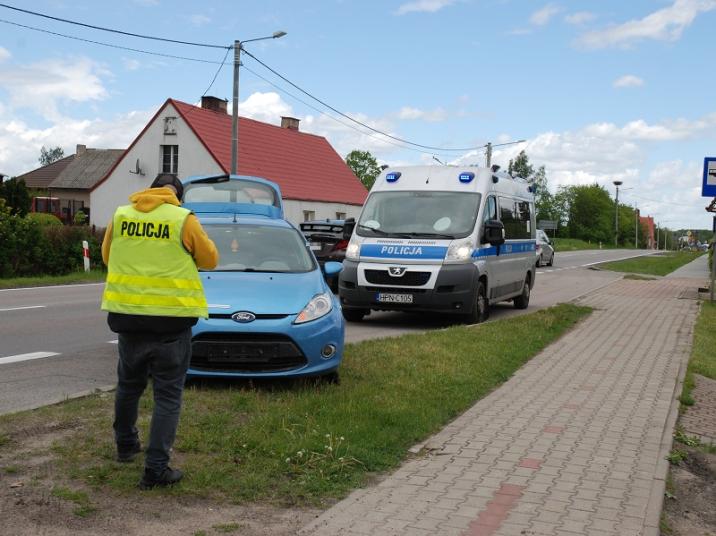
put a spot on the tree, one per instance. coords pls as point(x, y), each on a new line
point(364, 165)
point(591, 214)
point(521, 167)
point(17, 198)
point(48, 156)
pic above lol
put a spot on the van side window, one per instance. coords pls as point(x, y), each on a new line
point(516, 217)
point(490, 209)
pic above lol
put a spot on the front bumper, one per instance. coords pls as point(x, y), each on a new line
point(266, 348)
point(453, 292)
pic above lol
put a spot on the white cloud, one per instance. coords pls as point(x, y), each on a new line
point(432, 116)
point(266, 107)
point(423, 6)
point(666, 24)
point(628, 80)
point(544, 15)
point(40, 86)
point(199, 19)
point(581, 17)
point(4, 54)
point(131, 64)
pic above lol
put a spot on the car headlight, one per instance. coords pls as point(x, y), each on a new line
point(459, 251)
point(353, 251)
point(319, 306)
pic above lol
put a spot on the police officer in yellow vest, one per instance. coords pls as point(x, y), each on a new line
point(153, 294)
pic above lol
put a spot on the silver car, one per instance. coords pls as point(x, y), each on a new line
point(545, 249)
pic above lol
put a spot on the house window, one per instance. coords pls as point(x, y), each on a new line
point(170, 159)
point(340, 215)
point(170, 125)
point(309, 215)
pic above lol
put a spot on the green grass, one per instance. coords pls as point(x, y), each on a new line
point(226, 527)
point(574, 244)
point(93, 276)
point(303, 442)
point(83, 506)
point(703, 357)
point(653, 264)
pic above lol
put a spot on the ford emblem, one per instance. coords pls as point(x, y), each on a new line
point(243, 317)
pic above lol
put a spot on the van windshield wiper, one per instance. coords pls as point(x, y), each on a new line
point(430, 235)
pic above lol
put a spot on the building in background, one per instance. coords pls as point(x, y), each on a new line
point(190, 140)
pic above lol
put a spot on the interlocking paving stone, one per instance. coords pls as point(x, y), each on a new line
point(569, 445)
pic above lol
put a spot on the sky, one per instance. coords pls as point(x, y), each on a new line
point(599, 90)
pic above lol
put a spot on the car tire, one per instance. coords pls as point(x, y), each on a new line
point(480, 308)
point(539, 261)
point(551, 260)
point(523, 300)
point(354, 315)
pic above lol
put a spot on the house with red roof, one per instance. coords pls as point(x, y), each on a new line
point(190, 140)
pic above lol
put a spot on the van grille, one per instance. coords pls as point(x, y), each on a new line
point(409, 279)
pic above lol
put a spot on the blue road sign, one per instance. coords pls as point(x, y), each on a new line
point(709, 185)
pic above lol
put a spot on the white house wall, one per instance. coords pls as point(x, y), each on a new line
point(194, 159)
point(294, 210)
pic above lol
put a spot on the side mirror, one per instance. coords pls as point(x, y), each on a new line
point(348, 225)
point(494, 232)
point(332, 268)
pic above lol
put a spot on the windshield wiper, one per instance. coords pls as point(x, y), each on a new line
point(430, 235)
point(380, 232)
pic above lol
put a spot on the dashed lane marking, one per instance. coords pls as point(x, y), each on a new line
point(26, 357)
point(21, 308)
point(115, 341)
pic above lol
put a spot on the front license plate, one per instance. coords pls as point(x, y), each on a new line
point(394, 298)
point(316, 247)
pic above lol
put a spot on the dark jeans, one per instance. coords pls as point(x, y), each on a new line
point(164, 357)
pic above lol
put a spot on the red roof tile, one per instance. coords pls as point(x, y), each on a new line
point(305, 166)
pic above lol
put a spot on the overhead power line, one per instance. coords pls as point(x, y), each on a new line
point(461, 149)
point(112, 30)
point(109, 44)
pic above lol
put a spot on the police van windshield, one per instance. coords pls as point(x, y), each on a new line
point(419, 214)
point(260, 248)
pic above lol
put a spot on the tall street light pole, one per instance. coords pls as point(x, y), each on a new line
point(238, 47)
point(616, 214)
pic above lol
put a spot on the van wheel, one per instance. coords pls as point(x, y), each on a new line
point(523, 300)
point(551, 260)
point(481, 308)
point(354, 315)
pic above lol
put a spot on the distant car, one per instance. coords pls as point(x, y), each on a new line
point(271, 313)
point(326, 240)
point(545, 249)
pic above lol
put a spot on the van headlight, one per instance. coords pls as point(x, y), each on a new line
point(459, 251)
point(319, 306)
point(353, 251)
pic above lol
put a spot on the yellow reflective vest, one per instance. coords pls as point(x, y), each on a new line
point(149, 270)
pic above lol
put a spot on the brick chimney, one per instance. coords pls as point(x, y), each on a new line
point(214, 103)
point(81, 149)
point(291, 123)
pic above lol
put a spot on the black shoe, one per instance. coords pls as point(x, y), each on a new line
point(167, 477)
point(127, 454)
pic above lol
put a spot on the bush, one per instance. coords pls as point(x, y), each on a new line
point(44, 219)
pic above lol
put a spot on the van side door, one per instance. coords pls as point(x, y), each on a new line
point(494, 263)
point(516, 216)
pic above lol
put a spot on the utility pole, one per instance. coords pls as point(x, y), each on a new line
point(488, 155)
point(616, 215)
point(235, 110)
point(636, 227)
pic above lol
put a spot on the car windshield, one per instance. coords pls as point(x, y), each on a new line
point(259, 248)
point(230, 191)
point(419, 214)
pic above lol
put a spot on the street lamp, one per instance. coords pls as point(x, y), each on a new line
point(238, 47)
point(616, 214)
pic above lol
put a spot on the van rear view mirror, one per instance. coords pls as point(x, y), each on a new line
point(494, 232)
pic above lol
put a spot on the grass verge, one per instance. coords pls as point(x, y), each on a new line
point(653, 264)
point(574, 244)
point(302, 442)
point(93, 276)
point(703, 357)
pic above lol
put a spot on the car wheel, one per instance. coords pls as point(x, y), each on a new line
point(523, 300)
point(481, 308)
point(551, 260)
point(354, 315)
point(539, 261)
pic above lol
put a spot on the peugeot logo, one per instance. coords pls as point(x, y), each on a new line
point(396, 271)
point(243, 317)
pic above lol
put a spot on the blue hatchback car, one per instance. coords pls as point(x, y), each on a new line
point(271, 313)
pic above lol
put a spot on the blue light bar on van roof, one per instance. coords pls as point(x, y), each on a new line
point(393, 176)
point(466, 176)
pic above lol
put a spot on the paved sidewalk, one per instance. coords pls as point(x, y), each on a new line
point(573, 443)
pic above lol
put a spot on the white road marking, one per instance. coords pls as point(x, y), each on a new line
point(115, 341)
point(26, 357)
point(50, 287)
point(21, 308)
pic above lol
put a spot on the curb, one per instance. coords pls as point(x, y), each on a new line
point(59, 400)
